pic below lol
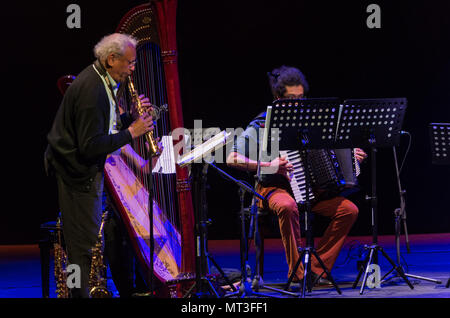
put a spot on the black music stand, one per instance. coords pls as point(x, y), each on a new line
point(306, 124)
point(440, 143)
point(246, 289)
point(440, 148)
point(203, 286)
point(373, 123)
point(151, 281)
point(149, 177)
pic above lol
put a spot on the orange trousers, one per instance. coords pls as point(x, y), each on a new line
point(341, 211)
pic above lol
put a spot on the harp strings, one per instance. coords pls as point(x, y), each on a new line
point(149, 80)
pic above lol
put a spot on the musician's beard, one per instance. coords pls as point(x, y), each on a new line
point(119, 77)
point(123, 77)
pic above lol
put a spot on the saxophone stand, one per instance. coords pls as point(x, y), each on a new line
point(97, 276)
point(400, 219)
point(203, 286)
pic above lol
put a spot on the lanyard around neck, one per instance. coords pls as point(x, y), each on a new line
point(102, 71)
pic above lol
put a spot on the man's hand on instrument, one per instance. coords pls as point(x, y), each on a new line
point(360, 154)
point(145, 102)
point(155, 158)
point(141, 126)
point(146, 105)
point(283, 165)
point(158, 142)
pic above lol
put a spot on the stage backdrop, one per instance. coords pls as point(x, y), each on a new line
point(225, 50)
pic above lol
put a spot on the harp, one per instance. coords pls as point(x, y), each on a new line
point(156, 76)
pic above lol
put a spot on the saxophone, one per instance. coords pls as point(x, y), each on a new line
point(154, 149)
point(62, 291)
point(97, 275)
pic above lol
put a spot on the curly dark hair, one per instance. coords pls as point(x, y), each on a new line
point(284, 76)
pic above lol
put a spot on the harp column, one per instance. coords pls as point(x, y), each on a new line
point(166, 11)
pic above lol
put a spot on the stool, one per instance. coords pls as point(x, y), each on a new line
point(49, 236)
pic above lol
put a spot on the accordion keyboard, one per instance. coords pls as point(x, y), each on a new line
point(297, 176)
point(328, 169)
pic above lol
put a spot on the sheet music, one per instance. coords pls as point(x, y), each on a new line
point(166, 161)
point(204, 149)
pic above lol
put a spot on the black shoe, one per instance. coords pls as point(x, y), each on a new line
point(323, 282)
point(315, 280)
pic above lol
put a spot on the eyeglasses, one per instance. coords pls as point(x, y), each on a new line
point(130, 63)
point(294, 96)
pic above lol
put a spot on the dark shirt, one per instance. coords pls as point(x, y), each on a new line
point(79, 140)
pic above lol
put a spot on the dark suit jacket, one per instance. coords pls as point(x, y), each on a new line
point(79, 139)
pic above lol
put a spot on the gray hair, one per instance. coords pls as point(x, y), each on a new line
point(113, 43)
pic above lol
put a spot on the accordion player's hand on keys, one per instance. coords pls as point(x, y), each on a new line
point(281, 165)
point(360, 155)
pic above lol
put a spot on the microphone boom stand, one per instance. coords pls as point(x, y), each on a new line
point(400, 219)
point(375, 248)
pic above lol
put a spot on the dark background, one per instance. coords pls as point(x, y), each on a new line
point(225, 49)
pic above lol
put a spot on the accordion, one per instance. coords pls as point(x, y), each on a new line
point(331, 172)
